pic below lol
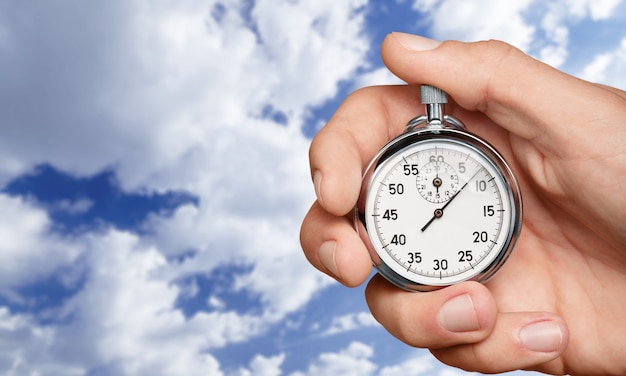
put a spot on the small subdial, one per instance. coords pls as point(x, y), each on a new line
point(437, 182)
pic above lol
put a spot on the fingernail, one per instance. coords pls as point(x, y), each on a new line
point(543, 336)
point(327, 256)
point(317, 183)
point(459, 315)
point(415, 42)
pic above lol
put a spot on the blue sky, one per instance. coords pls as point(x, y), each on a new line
point(154, 173)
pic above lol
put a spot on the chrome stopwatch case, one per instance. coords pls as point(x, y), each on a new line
point(438, 205)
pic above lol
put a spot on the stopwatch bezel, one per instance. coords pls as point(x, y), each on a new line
point(459, 135)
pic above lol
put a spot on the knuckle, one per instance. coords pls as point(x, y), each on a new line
point(496, 52)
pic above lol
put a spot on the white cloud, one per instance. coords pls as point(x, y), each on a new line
point(608, 68)
point(147, 86)
point(73, 207)
point(264, 366)
point(558, 17)
point(356, 359)
point(125, 320)
point(25, 345)
point(250, 212)
point(349, 322)
point(29, 251)
point(245, 168)
point(216, 303)
point(380, 76)
point(596, 9)
point(539, 28)
point(353, 360)
point(418, 364)
point(479, 20)
point(171, 95)
point(313, 44)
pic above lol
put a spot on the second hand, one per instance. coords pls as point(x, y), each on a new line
point(439, 212)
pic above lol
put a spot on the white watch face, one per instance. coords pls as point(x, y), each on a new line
point(439, 211)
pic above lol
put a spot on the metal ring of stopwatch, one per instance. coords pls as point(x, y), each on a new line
point(420, 137)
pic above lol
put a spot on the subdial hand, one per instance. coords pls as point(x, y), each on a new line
point(437, 183)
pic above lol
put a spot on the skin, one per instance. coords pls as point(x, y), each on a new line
point(565, 140)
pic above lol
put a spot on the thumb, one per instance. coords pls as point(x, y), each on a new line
point(521, 94)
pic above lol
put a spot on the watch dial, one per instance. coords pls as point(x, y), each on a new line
point(439, 211)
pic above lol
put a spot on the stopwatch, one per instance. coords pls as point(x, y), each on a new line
point(438, 204)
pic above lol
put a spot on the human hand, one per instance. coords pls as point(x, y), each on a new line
point(559, 304)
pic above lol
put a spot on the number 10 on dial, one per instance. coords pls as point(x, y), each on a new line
point(438, 206)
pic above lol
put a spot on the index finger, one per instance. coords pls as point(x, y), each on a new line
point(366, 120)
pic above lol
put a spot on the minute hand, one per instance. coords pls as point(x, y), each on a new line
point(439, 212)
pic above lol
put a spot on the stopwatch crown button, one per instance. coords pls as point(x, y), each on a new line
point(433, 95)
